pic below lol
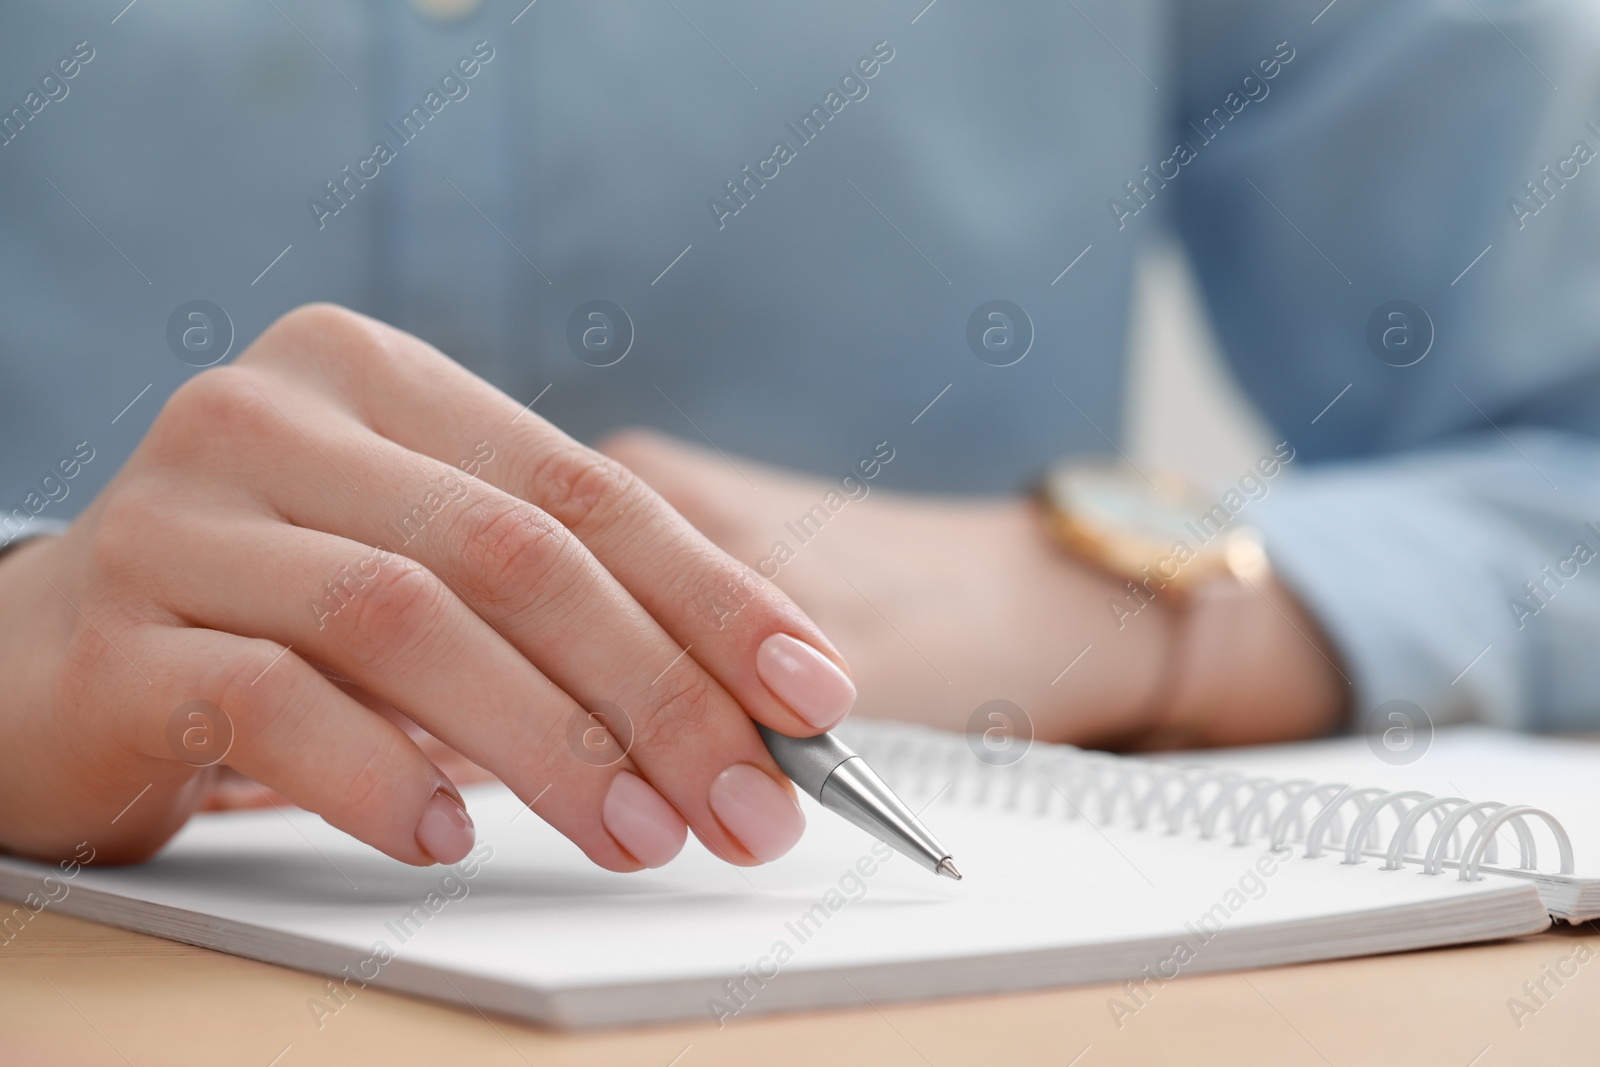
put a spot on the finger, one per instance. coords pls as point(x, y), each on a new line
point(459, 768)
point(538, 583)
point(571, 619)
point(768, 654)
point(283, 725)
point(712, 495)
point(403, 637)
point(232, 791)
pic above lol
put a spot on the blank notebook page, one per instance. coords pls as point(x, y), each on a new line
point(536, 930)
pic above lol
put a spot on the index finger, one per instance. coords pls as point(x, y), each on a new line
point(768, 655)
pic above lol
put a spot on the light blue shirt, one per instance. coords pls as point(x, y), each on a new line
point(800, 208)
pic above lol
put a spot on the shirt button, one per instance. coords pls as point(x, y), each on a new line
point(445, 10)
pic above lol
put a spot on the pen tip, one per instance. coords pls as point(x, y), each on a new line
point(948, 869)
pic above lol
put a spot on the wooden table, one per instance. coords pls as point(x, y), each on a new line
point(75, 993)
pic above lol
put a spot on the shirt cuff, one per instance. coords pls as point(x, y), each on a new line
point(1404, 580)
point(34, 528)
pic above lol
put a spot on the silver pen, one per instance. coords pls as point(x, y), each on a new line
point(841, 781)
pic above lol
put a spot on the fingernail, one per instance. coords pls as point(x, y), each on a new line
point(806, 680)
point(444, 831)
point(756, 810)
point(641, 820)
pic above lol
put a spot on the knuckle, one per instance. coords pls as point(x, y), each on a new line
point(391, 616)
point(732, 595)
point(326, 337)
point(133, 517)
point(215, 405)
point(677, 706)
point(323, 325)
point(317, 316)
point(580, 487)
point(633, 446)
point(509, 553)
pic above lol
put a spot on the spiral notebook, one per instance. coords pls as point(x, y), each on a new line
point(1080, 868)
point(1561, 777)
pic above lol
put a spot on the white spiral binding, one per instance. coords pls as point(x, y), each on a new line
point(1074, 783)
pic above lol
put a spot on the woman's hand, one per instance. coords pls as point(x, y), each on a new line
point(343, 531)
point(943, 605)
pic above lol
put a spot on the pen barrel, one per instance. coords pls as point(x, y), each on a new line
point(855, 791)
point(841, 781)
point(808, 761)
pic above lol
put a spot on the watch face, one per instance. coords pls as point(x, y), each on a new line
point(1136, 526)
point(1121, 502)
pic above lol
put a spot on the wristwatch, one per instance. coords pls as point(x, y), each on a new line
point(1237, 638)
point(1158, 533)
point(1171, 543)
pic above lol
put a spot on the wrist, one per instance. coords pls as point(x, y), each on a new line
point(30, 788)
point(1243, 662)
point(1247, 665)
point(1114, 649)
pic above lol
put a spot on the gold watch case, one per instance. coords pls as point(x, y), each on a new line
point(1156, 530)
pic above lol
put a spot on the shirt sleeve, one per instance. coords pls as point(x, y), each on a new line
point(34, 527)
point(1439, 162)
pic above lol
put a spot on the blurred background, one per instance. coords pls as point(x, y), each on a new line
point(1185, 412)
